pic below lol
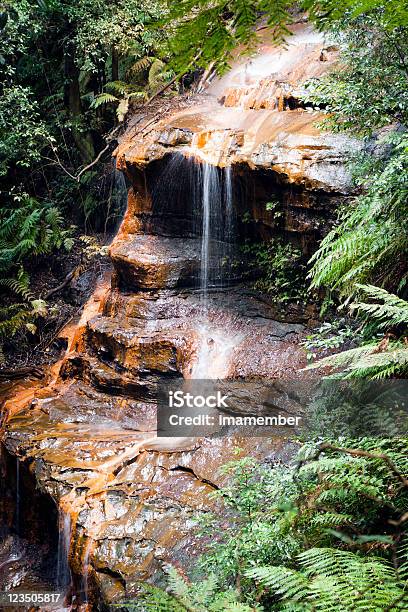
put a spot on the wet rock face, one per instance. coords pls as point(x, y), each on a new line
point(90, 440)
point(155, 262)
point(288, 177)
point(132, 497)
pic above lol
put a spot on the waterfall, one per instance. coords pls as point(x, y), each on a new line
point(86, 567)
point(229, 210)
point(213, 229)
point(64, 543)
point(208, 172)
point(217, 235)
point(17, 515)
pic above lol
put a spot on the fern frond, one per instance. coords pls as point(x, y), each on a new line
point(392, 311)
point(119, 87)
point(141, 65)
point(103, 98)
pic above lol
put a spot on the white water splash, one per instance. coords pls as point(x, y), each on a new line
point(214, 355)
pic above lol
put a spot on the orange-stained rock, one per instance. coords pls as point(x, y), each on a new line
point(260, 98)
point(137, 204)
point(137, 348)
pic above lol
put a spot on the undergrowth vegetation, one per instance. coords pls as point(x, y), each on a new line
point(56, 132)
point(325, 533)
point(280, 268)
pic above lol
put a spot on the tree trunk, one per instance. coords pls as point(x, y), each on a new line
point(115, 64)
point(72, 94)
point(72, 100)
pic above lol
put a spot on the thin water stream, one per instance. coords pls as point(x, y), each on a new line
point(64, 543)
point(217, 238)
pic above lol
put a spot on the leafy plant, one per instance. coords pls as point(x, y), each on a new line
point(23, 134)
point(124, 93)
point(376, 359)
point(330, 335)
point(370, 241)
point(332, 525)
point(274, 206)
point(30, 228)
point(185, 596)
point(337, 579)
point(280, 268)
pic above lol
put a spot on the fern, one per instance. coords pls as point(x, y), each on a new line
point(216, 28)
point(392, 311)
point(119, 87)
point(141, 65)
point(184, 596)
point(331, 579)
point(103, 98)
point(29, 228)
point(375, 360)
point(19, 285)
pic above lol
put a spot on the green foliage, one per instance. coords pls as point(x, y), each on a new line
point(157, 76)
point(330, 335)
point(374, 359)
point(125, 25)
point(331, 526)
point(280, 268)
point(328, 13)
point(391, 312)
point(203, 32)
point(19, 315)
point(27, 229)
point(30, 228)
point(364, 92)
point(275, 207)
point(184, 596)
point(332, 579)
point(370, 242)
point(370, 360)
point(357, 407)
point(23, 134)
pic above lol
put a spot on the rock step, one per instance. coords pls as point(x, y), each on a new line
point(157, 262)
point(135, 348)
point(109, 380)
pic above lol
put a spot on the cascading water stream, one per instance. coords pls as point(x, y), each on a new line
point(229, 210)
point(87, 567)
point(17, 514)
point(205, 232)
point(64, 543)
point(216, 245)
